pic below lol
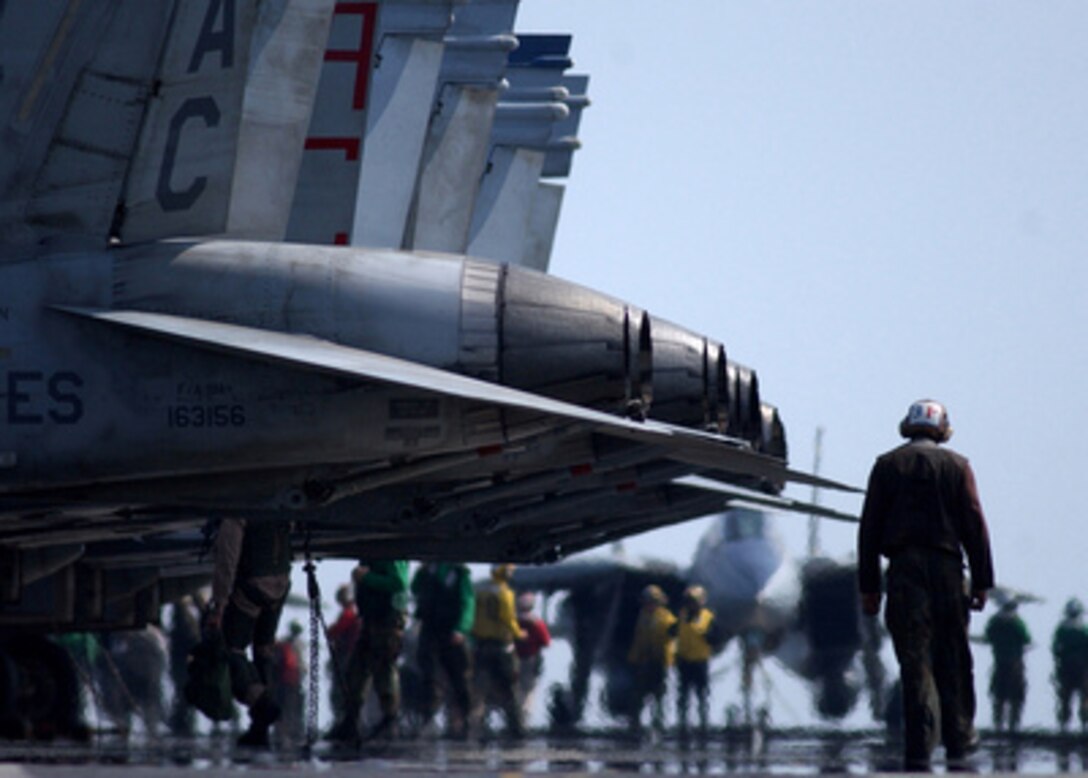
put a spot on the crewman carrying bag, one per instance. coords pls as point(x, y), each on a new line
point(207, 687)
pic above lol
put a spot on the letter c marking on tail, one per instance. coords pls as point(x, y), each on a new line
point(171, 198)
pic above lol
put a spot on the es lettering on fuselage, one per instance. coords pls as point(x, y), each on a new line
point(31, 397)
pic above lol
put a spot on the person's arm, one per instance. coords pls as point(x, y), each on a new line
point(636, 651)
point(391, 578)
point(674, 628)
point(543, 634)
point(467, 597)
point(976, 541)
point(418, 580)
point(715, 636)
point(870, 532)
point(508, 613)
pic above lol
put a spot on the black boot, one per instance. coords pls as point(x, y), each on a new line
point(345, 731)
point(262, 716)
point(385, 729)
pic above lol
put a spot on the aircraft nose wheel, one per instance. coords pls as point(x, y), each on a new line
point(43, 700)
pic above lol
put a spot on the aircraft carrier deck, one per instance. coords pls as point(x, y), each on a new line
point(780, 752)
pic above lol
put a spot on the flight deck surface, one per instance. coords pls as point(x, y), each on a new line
point(788, 752)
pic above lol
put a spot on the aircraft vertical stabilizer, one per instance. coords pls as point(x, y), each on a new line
point(525, 122)
point(180, 179)
point(544, 218)
point(287, 52)
point(540, 232)
point(403, 84)
point(324, 198)
point(458, 138)
point(76, 80)
point(564, 140)
point(221, 142)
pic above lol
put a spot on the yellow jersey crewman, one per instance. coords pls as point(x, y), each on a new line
point(495, 630)
point(652, 652)
point(697, 638)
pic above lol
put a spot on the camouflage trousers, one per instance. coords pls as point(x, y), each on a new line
point(374, 660)
point(651, 680)
point(437, 652)
point(693, 679)
point(251, 619)
point(927, 616)
point(1069, 683)
point(1008, 688)
point(496, 678)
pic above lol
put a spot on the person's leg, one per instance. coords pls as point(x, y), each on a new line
point(1064, 702)
point(953, 666)
point(702, 695)
point(457, 664)
point(356, 681)
point(683, 690)
point(245, 622)
point(1082, 697)
point(428, 656)
point(659, 684)
point(1017, 694)
point(909, 621)
point(507, 667)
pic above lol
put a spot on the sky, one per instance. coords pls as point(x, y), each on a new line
point(869, 203)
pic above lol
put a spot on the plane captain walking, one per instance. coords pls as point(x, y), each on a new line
point(922, 511)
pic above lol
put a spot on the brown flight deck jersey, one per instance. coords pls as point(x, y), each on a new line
point(922, 496)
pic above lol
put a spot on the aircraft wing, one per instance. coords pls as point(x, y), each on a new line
point(589, 571)
point(567, 575)
point(1003, 594)
point(703, 450)
point(737, 496)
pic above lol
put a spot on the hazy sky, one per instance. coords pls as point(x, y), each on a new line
point(868, 203)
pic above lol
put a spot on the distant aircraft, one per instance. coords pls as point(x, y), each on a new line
point(222, 294)
point(804, 613)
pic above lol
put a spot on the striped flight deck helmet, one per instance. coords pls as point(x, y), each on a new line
point(926, 418)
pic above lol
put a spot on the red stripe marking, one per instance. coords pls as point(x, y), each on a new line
point(578, 470)
point(361, 56)
point(487, 451)
point(350, 146)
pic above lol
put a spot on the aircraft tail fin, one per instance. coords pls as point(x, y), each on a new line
point(134, 121)
point(366, 136)
point(435, 135)
point(76, 79)
point(222, 141)
point(473, 72)
point(534, 135)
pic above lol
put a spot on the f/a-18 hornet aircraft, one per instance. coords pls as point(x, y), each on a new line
point(803, 612)
point(285, 260)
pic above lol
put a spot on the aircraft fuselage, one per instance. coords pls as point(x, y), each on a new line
point(82, 401)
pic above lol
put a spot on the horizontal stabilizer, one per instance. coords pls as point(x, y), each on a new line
point(739, 496)
point(705, 450)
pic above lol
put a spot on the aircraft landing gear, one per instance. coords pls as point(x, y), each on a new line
point(39, 691)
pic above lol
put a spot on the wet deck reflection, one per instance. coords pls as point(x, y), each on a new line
point(739, 751)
